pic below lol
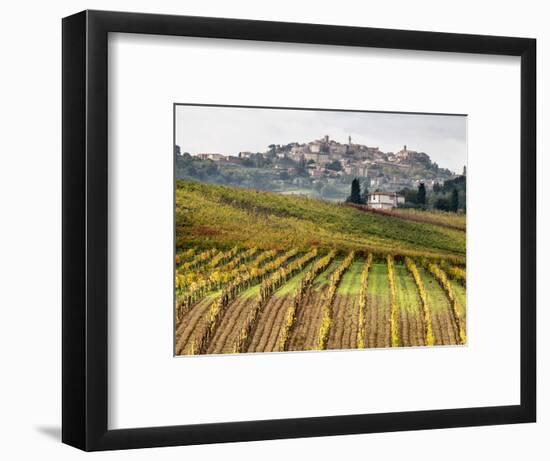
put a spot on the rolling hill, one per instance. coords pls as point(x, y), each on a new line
point(219, 216)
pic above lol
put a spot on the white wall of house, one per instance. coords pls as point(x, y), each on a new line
point(384, 201)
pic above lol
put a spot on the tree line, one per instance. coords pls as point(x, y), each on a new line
point(449, 196)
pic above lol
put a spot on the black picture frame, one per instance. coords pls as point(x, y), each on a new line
point(85, 219)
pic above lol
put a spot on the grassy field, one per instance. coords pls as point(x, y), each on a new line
point(263, 272)
point(222, 217)
point(440, 218)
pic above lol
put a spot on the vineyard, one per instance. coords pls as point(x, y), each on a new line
point(292, 279)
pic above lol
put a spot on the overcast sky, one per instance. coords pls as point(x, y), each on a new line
point(229, 130)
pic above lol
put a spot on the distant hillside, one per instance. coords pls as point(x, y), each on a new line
point(321, 168)
point(225, 216)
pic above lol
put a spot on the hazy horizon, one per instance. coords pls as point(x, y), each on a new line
point(229, 130)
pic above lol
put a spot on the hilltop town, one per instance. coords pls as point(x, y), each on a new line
point(328, 158)
point(322, 168)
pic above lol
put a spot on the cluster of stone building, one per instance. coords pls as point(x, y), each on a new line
point(356, 160)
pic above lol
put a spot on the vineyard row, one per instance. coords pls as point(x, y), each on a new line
point(236, 270)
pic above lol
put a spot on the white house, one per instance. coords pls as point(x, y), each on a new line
point(384, 200)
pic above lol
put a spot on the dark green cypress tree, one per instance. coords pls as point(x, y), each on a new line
point(454, 201)
point(421, 194)
point(355, 196)
point(365, 195)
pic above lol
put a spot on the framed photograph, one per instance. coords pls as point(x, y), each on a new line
point(279, 230)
